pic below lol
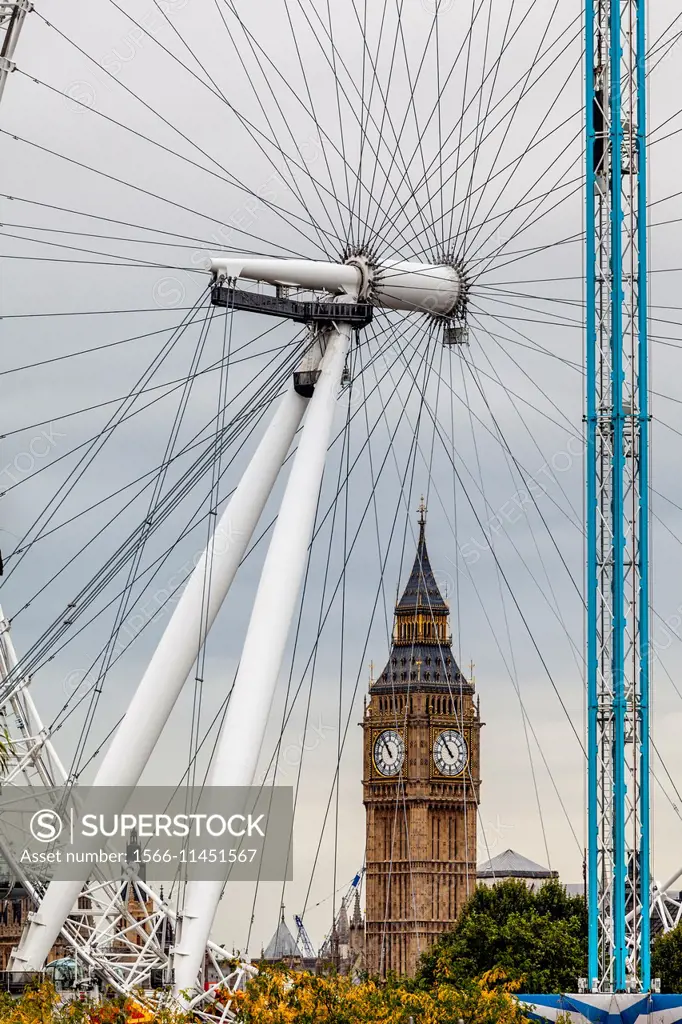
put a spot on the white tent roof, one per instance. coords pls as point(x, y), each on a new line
point(511, 864)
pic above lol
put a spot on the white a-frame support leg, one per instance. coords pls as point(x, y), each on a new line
point(243, 731)
point(172, 661)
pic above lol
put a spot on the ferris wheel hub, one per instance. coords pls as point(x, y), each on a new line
point(411, 286)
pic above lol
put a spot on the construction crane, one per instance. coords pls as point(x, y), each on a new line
point(303, 939)
point(345, 902)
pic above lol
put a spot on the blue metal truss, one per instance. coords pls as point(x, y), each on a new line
point(617, 498)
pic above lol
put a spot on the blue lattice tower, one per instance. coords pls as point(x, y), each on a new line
point(617, 499)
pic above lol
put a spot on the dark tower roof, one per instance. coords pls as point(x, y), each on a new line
point(422, 590)
point(421, 654)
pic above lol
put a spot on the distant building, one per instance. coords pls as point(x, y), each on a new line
point(511, 864)
point(343, 951)
point(15, 906)
point(283, 947)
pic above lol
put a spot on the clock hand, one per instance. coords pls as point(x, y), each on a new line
point(450, 754)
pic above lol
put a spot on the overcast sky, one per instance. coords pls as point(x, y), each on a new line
point(236, 138)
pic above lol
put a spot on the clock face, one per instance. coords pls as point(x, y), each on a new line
point(389, 753)
point(450, 753)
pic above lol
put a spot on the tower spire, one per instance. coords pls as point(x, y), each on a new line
point(421, 653)
point(422, 510)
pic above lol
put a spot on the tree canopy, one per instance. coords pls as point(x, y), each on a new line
point(538, 938)
point(281, 996)
point(278, 996)
point(666, 960)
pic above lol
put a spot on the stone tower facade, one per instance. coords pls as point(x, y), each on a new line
point(421, 781)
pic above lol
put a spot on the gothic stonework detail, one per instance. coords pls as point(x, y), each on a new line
point(421, 781)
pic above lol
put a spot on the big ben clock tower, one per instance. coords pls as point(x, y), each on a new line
point(421, 781)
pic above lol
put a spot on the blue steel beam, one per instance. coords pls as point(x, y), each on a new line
point(643, 511)
point(617, 498)
point(591, 505)
point(620, 858)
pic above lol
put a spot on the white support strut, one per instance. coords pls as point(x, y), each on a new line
point(172, 661)
point(12, 16)
point(33, 750)
point(242, 735)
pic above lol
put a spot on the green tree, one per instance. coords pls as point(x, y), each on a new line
point(666, 960)
point(537, 938)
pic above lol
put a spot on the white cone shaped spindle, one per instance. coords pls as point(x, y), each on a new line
point(436, 288)
point(243, 732)
point(172, 661)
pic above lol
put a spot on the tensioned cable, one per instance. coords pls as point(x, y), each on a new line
point(342, 140)
point(62, 491)
point(528, 222)
point(363, 35)
point(411, 105)
point(561, 320)
point(139, 262)
point(250, 128)
point(454, 153)
point(394, 149)
point(211, 520)
point(415, 236)
point(512, 459)
point(505, 616)
point(390, 448)
point(239, 423)
point(408, 521)
point(96, 263)
point(250, 79)
point(312, 111)
point(150, 243)
point(510, 589)
point(563, 51)
point(385, 112)
point(540, 748)
point(121, 181)
point(461, 118)
point(196, 470)
point(481, 122)
point(137, 553)
point(529, 343)
point(191, 240)
point(493, 291)
point(350, 550)
point(512, 117)
point(523, 472)
point(253, 545)
point(171, 385)
point(511, 675)
point(227, 178)
point(499, 437)
point(342, 653)
point(337, 496)
point(574, 649)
